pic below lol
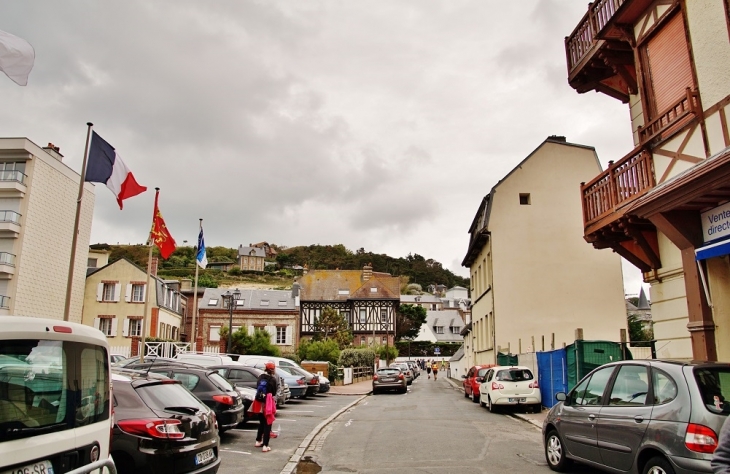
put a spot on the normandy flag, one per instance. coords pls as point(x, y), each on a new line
point(159, 234)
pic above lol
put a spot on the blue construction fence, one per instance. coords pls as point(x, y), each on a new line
point(561, 369)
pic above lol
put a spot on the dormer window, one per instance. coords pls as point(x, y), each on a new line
point(212, 302)
point(439, 329)
point(282, 303)
point(240, 302)
point(373, 290)
point(264, 302)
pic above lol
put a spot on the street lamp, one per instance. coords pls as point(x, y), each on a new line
point(231, 298)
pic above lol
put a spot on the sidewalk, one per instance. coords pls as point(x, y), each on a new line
point(359, 388)
point(535, 419)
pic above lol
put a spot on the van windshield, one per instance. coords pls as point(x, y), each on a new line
point(714, 385)
point(35, 394)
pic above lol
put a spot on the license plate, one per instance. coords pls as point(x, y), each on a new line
point(518, 400)
point(41, 467)
point(204, 457)
point(388, 379)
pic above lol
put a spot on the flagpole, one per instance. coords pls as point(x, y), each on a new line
point(74, 239)
point(195, 296)
point(147, 286)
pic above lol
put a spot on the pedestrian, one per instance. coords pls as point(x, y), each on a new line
point(265, 406)
point(428, 369)
point(721, 458)
point(435, 370)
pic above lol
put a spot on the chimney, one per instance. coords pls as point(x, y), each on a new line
point(295, 293)
point(367, 272)
point(153, 268)
point(557, 138)
point(186, 284)
point(54, 151)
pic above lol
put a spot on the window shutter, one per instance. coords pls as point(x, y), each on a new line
point(125, 327)
point(144, 292)
point(250, 330)
point(114, 327)
point(288, 335)
point(96, 323)
point(669, 65)
point(99, 293)
point(128, 295)
point(117, 291)
point(272, 333)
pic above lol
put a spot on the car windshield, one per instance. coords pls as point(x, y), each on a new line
point(514, 375)
point(482, 372)
point(714, 385)
point(163, 395)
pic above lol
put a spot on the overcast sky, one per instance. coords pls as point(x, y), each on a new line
point(375, 124)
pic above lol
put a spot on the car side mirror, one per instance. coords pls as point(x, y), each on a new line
point(463, 376)
point(560, 396)
point(479, 379)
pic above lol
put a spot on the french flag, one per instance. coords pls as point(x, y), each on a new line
point(106, 166)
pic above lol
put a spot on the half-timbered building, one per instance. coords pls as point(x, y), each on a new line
point(663, 205)
point(368, 300)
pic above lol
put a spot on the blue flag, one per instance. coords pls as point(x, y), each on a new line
point(201, 257)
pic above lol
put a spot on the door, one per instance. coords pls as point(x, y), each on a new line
point(624, 419)
point(580, 413)
point(242, 377)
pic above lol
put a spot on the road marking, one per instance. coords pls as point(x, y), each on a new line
point(233, 451)
point(349, 422)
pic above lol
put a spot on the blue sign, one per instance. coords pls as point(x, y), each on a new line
point(437, 350)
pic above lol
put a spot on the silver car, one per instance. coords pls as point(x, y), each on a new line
point(640, 416)
point(406, 371)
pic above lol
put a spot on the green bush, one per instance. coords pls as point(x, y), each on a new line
point(319, 350)
point(356, 358)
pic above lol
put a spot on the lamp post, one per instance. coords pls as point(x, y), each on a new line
point(231, 298)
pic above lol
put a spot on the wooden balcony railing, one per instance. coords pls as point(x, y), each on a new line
point(580, 42)
point(684, 107)
point(623, 181)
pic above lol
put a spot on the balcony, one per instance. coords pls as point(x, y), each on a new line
point(672, 119)
point(599, 51)
point(12, 183)
point(7, 265)
point(605, 221)
point(9, 224)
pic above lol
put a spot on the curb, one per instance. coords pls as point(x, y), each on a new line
point(527, 419)
point(297, 456)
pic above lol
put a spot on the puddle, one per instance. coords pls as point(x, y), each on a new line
point(307, 466)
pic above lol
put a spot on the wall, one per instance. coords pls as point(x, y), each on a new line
point(547, 279)
point(708, 31)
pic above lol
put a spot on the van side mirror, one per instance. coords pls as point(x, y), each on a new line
point(560, 396)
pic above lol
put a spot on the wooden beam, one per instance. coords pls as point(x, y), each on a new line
point(701, 326)
point(683, 228)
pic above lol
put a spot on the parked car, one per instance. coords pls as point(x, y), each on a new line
point(407, 372)
point(297, 383)
point(472, 379)
point(414, 368)
point(159, 427)
point(646, 416)
point(243, 376)
point(324, 384)
point(389, 378)
point(212, 389)
point(204, 360)
point(514, 385)
point(134, 363)
point(247, 396)
point(113, 358)
point(312, 380)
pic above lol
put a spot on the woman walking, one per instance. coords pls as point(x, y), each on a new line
point(435, 370)
point(428, 368)
point(265, 406)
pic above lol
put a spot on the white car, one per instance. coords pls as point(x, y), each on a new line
point(515, 385)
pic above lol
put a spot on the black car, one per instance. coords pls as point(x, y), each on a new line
point(160, 427)
point(212, 389)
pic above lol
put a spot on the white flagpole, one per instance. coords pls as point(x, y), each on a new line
point(147, 289)
point(74, 239)
point(195, 295)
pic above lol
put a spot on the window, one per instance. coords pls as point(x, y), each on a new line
point(281, 334)
point(363, 340)
point(455, 330)
point(282, 303)
point(264, 302)
point(385, 340)
point(108, 292)
point(433, 307)
point(363, 315)
point(240, 302)
point(373, 290)
point(383, 315)
point(525, 199)
point(630, 387)
point(590, 392)
point(92, 262)
point(105, 326)
point(439, 329)
point(135, 327)
point(665, 390)
point(214, 334)
point(190, 381)
point(137, 293)
point(212, 302)
point(343, 292)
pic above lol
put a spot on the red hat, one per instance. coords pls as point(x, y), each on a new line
point(270, 366)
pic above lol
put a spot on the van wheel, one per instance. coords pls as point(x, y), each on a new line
point(555, 452)
point(658, 465)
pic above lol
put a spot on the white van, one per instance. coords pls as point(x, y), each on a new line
point(252, 360)
point(55, 392)
point(203, 360)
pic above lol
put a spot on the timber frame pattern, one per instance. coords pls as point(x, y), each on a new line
point(351, 309)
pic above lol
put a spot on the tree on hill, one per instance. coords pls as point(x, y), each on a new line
point(409, 320)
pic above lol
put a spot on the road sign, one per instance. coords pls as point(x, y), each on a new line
point(437, 350)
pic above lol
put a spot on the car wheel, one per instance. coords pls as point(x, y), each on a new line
point(492, 407)
point(375, 392)
point(658, 465)
point(474, 398)
point(555, 452)
point(123, 462)
point(466, 395)
point(537, 408)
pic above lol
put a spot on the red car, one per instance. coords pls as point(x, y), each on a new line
point(472, 379)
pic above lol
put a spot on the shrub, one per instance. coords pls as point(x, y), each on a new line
point(356, 358)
